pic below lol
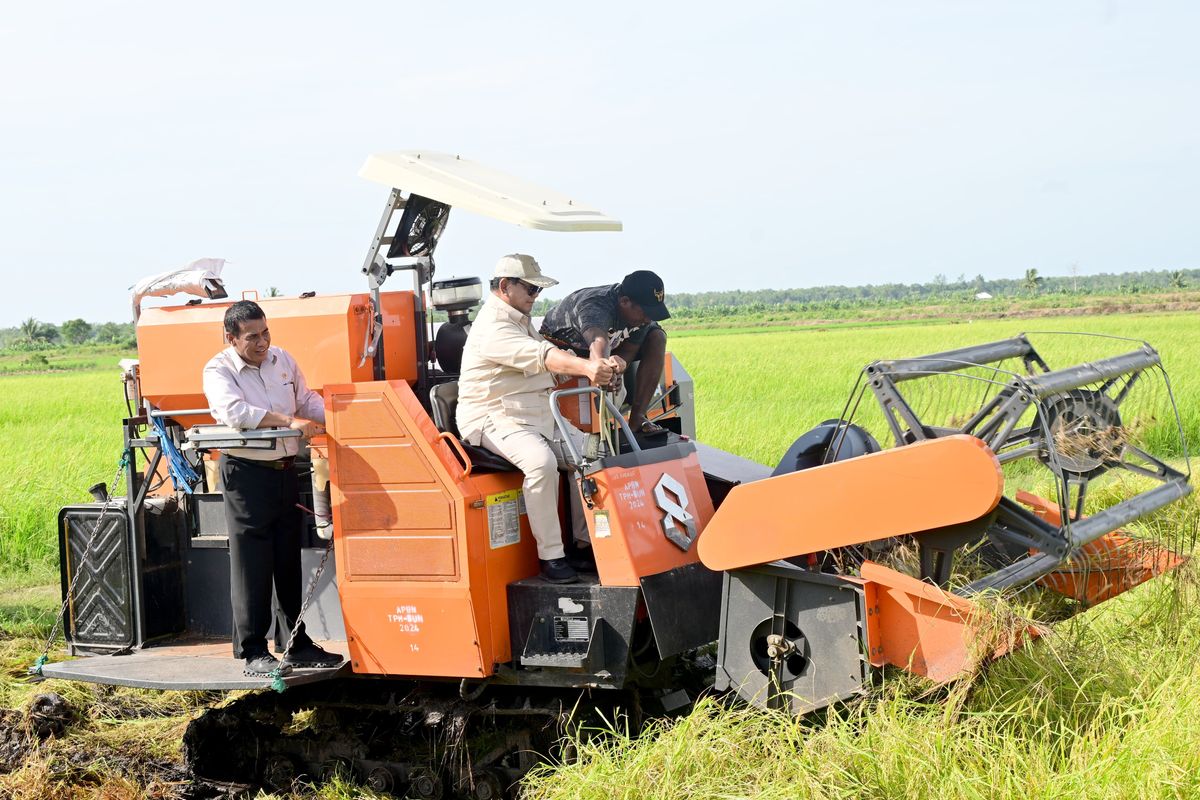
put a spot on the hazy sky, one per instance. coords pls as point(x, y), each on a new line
point(743, 144)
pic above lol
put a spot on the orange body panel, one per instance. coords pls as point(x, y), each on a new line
point(667, 408)
point(626, 524)
point(399, 338)
point(422, 581)
point(904, 490)
point(1114, 563)
point(324, 333)
point(920, 628)
point(579, 409)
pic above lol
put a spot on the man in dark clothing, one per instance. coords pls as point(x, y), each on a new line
point(620, 320)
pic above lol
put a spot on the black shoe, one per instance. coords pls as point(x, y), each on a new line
point(310, 656)
point(582, 559)
point(557, 570)
point(263, 664)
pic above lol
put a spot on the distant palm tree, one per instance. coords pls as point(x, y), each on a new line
point(1177, 280)
point(30, 329)
point(1033, 281)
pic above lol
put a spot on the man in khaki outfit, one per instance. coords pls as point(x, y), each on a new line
point(504, 401)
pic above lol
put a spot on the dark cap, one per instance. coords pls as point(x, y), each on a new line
point(646, 289)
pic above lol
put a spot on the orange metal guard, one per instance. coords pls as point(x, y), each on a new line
point(929, 632)
point(1114, 563)
point(908, 489)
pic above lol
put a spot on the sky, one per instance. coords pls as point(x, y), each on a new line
point(744, 146)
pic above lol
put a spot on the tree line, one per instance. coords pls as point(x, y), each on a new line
point(35, 334)
point(940, 289)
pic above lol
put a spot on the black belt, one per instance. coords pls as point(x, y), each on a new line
point(276, 464)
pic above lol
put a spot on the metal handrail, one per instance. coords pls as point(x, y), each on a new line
point(180, 412)
point(562, 423)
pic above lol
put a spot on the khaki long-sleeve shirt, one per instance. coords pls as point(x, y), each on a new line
point(504, 379)
point(240, 395)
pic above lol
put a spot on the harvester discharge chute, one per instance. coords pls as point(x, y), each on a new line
point(1006, 478)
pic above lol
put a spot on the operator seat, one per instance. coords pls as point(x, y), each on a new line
point(443, 400)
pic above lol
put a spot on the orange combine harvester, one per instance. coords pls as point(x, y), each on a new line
point(806, 579)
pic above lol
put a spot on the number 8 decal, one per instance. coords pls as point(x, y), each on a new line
point(675, 514)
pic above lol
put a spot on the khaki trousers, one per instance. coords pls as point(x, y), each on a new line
point(540, 459)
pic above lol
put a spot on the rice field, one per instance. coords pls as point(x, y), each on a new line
point(59, 434)
point(1106, 706)
point(757, 391)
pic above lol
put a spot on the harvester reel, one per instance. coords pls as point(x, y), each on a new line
point(1084, 427)
point(1080, 422)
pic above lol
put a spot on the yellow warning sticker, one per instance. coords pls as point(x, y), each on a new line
point(503, 497)
point(504, 511)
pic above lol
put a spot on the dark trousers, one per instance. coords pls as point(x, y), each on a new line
point(264, 548)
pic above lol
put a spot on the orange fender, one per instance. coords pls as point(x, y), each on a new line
point(904, 490)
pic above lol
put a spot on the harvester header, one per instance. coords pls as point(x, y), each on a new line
point(921, 533)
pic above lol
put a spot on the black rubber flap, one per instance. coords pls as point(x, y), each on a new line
point(684, 606)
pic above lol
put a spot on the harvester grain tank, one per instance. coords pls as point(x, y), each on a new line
point(463, 664)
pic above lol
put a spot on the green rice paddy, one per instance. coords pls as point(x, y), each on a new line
point(1107, 705)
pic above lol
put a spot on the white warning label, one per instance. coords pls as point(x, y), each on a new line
point(603, 529)
point(408, 619)
point(504, 511)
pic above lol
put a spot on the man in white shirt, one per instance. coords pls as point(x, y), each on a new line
point(251, 384)
point(504, 390)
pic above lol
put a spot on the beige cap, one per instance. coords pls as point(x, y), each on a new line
point(523, 267)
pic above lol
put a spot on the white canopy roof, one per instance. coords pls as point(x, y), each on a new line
point(466, 184)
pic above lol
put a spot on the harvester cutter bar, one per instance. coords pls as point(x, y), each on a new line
point(1081, 533)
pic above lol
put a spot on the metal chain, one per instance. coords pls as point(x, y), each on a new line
point(60, 620)
point(276, 674)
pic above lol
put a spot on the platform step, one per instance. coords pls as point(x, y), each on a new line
point(560, 660)
point(182, 667)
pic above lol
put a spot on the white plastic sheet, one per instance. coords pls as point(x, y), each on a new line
point(201, 278)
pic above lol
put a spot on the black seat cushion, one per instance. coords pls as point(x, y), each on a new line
point(443, 401)
point(484, 460)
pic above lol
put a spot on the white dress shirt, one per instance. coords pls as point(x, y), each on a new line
point(240, 395)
